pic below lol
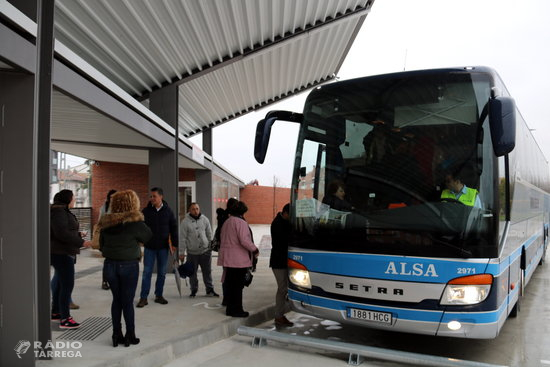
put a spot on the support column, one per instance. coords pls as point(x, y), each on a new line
point(18, 225)
point(42, 140)
point(163, 173)
point(163, 163)
point(207, 143)
point(204, 186)
point(25, 103)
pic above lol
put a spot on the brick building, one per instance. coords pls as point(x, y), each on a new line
point(264, 202)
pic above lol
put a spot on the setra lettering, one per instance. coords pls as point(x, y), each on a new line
point(368, 289)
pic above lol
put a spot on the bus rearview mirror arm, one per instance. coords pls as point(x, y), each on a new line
point(263, 130)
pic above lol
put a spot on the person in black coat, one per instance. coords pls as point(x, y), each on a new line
point(162, 221)
point(280, 237)
point(65, 244)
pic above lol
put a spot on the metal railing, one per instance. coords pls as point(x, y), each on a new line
point(356, 352)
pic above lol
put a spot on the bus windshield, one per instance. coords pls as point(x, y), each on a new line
point(398, 165)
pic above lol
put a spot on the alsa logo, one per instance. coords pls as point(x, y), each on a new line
point(416, 269)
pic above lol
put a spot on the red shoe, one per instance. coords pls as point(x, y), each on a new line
point(69, 323)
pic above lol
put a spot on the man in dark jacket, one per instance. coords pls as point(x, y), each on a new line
point(280, 236)
point(160, 218)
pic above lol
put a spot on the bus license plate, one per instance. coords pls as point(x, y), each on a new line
point(367, 315)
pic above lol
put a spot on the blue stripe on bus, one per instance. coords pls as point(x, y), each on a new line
point(417, 269)
point(380, 267)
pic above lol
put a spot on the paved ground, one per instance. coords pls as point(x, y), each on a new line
point(166, 331)
point(196, 332)
point(522, 342)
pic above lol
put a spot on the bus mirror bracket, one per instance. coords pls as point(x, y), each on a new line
point(502, 120)
point(263, 131)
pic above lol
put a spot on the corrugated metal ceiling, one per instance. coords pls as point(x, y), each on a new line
point(227, 56)
point(269, 76)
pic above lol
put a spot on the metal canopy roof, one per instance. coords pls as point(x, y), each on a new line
point(227, 56)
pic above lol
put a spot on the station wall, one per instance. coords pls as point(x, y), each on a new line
point(123, 176)
point(264, 202)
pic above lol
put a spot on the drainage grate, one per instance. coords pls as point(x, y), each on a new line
point(89, 329)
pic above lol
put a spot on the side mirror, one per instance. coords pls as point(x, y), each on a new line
point(502, 120)
point(263, 131)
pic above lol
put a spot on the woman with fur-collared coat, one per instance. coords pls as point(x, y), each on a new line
point(122, 230)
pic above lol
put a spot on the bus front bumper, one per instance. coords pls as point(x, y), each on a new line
point(427, 322)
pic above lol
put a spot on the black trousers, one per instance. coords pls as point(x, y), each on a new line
point(234, 284)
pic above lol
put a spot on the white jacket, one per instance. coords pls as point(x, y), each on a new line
point(195, 235)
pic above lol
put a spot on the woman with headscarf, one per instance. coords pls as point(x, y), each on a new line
point(121, 232)
point(65, 244)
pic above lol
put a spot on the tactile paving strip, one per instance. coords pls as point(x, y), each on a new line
point(89, 329)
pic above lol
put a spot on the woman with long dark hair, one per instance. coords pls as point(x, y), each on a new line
point(65, 244)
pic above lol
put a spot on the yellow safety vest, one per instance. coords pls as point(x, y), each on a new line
point(469, 198)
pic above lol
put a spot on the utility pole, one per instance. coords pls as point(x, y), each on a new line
point(275, 183)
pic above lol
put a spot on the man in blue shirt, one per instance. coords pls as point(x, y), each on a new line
point(458, 191)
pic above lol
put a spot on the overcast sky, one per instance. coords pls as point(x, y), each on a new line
point(510, 36)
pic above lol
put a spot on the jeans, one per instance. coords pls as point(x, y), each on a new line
point(123, 278)
point(61, 294)
point(149, 258)
point(205, 262)
point(54, 285)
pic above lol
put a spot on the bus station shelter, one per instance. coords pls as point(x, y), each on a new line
point(131, 82)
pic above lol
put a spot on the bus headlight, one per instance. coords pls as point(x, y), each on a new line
point(298, 274)
point(467, 290)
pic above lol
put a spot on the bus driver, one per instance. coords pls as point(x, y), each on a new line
point(458, 191)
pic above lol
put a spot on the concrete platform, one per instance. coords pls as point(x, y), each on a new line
point(167, 332)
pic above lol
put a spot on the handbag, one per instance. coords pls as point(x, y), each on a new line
point(95, 236)
point(215, 245)
point(248, 277)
